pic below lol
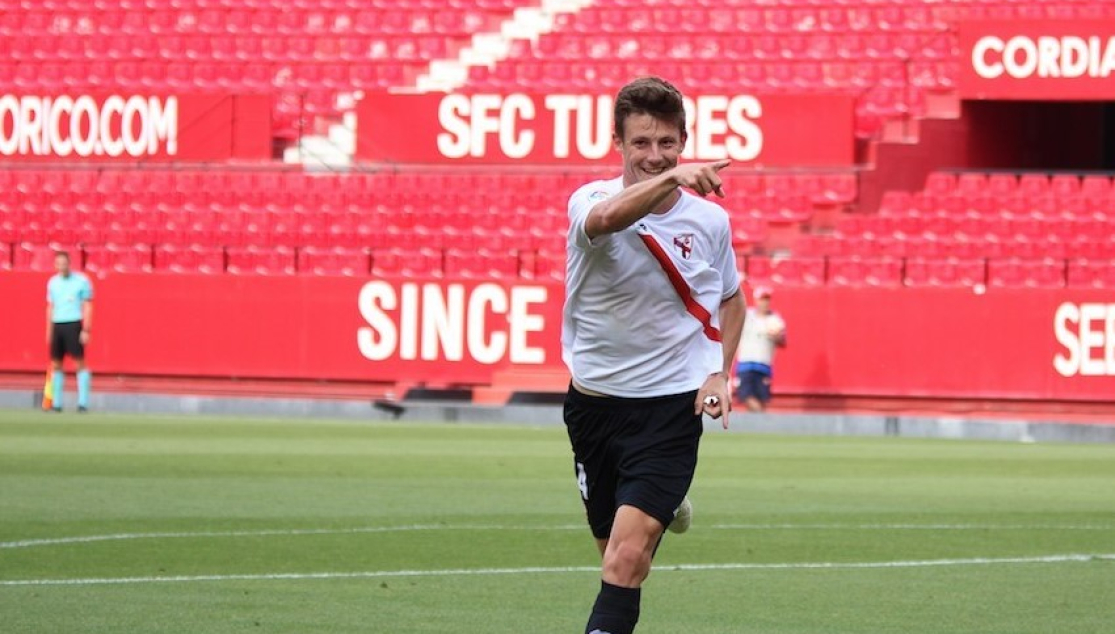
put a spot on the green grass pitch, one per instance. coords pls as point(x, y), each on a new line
point(215, 525)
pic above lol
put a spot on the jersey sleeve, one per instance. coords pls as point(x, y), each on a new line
point(580, 204)
point(726, 263)
point(86, 294)
point(49, 294)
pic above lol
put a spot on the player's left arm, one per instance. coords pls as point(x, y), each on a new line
point(714, 397)
point(733, 311)
point(86, 313)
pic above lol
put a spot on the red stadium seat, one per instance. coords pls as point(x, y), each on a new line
point(406, 263)
point(945, 272)
point(1002, 184)
point(1064, 186)
point(886, 272)
point(190, 259)
point(1091, 274)
point(481, 264)
point(550, 265)
point(5, 256)
point(1033, 185)
point(971, 183)
point(40, 257)
point(261, 260)
point(121, 259)
point(1096, 187)
point(334, 261)
point(898, 204)
point(1016, 273)
point(786, 271)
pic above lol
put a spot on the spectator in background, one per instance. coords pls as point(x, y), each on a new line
point(69, 320)
point(763, 331)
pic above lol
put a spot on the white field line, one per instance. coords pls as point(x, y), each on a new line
point(28, 543)
point(85, 539)
point(465, 572)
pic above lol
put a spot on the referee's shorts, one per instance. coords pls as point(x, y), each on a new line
point(640, 452)
point(66, 340)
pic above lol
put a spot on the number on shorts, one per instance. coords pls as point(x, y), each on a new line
point(582, 481)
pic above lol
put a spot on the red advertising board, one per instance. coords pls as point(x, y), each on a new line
point(1041, 60)
point(571, 129)
point(134, 127)
point(300, 327)
point(1050, 344)
point(1018, 344)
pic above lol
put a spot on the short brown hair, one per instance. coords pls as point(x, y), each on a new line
point(650, 95)
point(62, 253)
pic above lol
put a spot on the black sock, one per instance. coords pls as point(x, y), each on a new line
point(616, 610)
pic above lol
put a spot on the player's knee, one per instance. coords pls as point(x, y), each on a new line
point(626, 562)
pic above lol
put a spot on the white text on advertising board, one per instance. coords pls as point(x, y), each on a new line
point(1087, 333)
point(86, 127)
point(719, 127)
point(1021, 57)
point(446, 321)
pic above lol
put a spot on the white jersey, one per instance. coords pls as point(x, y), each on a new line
point(755, 346)
point(625, 330)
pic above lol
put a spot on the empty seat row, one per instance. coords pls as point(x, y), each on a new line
point(200, 49)
point(820, 186)
point(485, 264)
point(241, 19)
point(350, 234)
point(259, 260)
point(945, 184)
point(259, 5)
point(753, 19)
point(958, 247)
point(1006, 206)
point(941, 272)
point(737, 46)
point(989, 228)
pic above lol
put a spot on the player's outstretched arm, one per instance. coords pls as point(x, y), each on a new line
point(635, 202)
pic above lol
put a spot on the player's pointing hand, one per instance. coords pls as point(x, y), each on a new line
point(702, 178)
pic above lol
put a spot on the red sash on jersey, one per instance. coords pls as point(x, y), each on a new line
point(681, 287)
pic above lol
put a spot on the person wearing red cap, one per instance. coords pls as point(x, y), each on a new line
point(763, 331)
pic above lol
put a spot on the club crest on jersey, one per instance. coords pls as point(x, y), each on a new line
point(684, 244)
point(597, 196)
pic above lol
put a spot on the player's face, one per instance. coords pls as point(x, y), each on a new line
point(62, 264)
point(764, 304)
point(649, 146)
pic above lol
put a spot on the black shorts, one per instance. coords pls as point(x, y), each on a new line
point(753, 385)
point(636, 451)
point(66, 340)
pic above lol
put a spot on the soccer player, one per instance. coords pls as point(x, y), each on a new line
point(764, 331)
point(69, 320)
point(652, 319)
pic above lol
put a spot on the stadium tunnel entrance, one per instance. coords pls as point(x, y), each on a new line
point(1040, 136)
